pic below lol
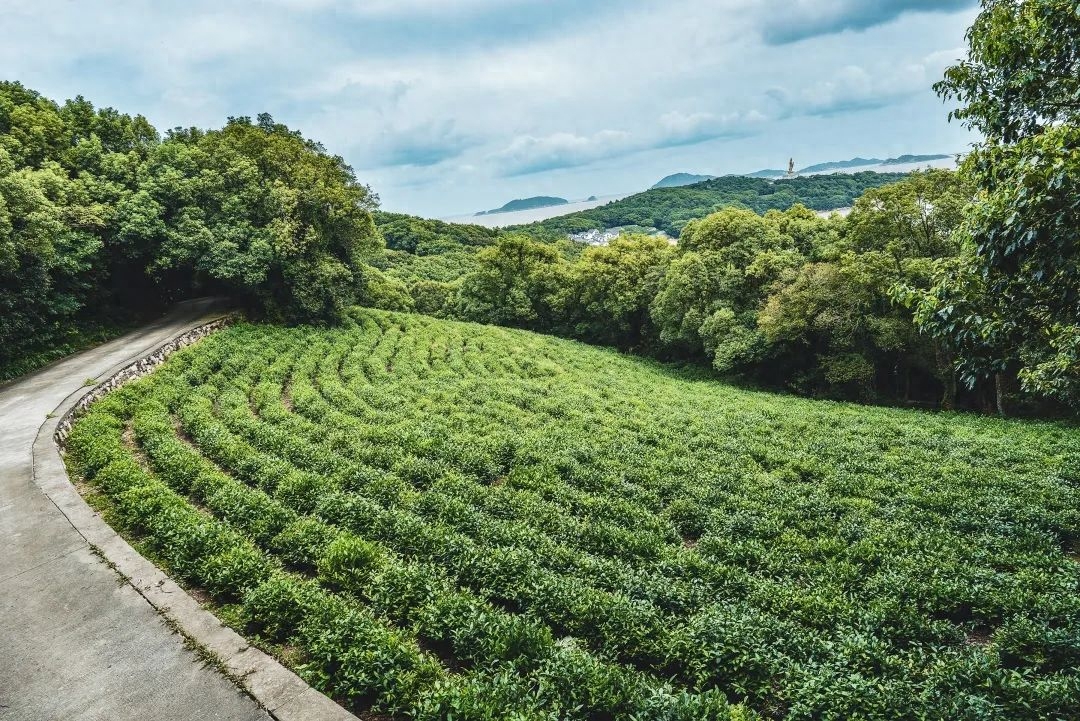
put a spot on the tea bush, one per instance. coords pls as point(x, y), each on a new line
point(437, 530)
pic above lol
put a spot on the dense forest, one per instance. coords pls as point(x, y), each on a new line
point(101, 217)
point(670, 209)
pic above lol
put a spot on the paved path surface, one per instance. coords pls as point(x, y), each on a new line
point(75, 642)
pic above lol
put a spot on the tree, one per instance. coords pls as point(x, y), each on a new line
point(839, 313)
point(258, 212)
point(1014, 306)
point(47, 252)
point(709, 298)
point(514, 284)
point(914, 218)
point(607, 299)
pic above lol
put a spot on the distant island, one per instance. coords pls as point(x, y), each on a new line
point(679, 179)
point(538, 201)
point(842, 164)
point(590, 199)
point(914, 159)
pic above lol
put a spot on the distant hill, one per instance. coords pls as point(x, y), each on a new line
point(669, 209)
point(538, 201)
point(680, 179)
point(842, 164)
point(914, 159)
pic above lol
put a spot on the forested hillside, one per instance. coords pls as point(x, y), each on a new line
point(786, 299)
point(101, 216)
point(669, 209)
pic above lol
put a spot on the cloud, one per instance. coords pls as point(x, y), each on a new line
point(527, 154)
point(422, 145)
point(855, 88)
point(679, 128)
point(788, 21)
point(451, 104)
point(403, 8)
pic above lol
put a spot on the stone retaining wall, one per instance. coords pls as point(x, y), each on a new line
point(133, 371)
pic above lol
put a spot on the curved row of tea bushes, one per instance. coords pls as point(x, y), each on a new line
point(515, 524)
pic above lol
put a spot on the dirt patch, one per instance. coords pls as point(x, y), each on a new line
point(979, 636)
point(286, 395)
point(130, 442)
point(200, 595)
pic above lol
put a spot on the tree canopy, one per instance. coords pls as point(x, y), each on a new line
point(99, 211)
point(1011, 305)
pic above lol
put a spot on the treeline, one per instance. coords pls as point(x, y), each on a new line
point(784, 299)
point(99, 212)
point(670, 209)
point(939, 278)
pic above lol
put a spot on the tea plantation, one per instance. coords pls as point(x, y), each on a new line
point(434, 520)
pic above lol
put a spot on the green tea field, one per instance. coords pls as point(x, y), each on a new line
point(439, 520)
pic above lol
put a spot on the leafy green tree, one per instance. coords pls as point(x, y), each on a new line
point(432, 297)
point(385, 292)
point(611, 287)
point(31, 128)
point(1013, 308)
point(709, 298)
point(514, 284)
point(838, 313)
point(48, 247)
point(914, 218)
point(256, 211)
point(912, 224)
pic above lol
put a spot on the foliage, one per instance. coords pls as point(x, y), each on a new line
point(384, 291)
point(606, 297)
point(1012, 307)
point(512, 284)
point(786, 298)
point(71, 338)
point(445, 519)
point(423, 236)
point(100, 216)
point(258, 211)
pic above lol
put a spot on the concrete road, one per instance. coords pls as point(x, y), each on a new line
point(76, 642)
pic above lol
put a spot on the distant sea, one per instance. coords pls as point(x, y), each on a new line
point(519, 217)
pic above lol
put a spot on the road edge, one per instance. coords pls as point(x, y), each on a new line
point(283, 694)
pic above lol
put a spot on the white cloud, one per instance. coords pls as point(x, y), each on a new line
point(527, 154)
point(413, 92)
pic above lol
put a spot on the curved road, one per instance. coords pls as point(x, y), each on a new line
point(75, 641)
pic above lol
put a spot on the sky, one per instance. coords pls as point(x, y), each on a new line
point(446, 107)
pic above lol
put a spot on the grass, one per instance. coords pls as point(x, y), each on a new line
point(443, 519)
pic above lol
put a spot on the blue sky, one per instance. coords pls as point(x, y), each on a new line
point(452, 106)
